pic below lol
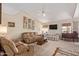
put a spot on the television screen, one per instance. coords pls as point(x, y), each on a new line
point(53, 26)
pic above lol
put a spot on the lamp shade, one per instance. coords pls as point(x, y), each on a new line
point(3, 29)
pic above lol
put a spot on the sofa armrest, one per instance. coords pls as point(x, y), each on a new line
point(24, 49)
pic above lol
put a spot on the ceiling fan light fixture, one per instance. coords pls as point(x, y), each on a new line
point(44, 14)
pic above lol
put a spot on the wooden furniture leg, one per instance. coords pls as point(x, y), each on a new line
point(56, 51)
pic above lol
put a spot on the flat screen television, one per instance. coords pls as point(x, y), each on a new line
point(53, 27)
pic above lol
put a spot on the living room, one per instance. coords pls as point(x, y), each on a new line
point(57, 26)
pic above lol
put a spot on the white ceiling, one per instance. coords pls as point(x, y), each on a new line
point(53, 11)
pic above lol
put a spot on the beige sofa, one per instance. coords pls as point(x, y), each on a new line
point(18, 49)
point(31, 37)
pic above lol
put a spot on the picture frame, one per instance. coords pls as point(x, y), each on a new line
point(28, 23)
point(33, 24)
point(11, 24)
point(29, 26)
point(25, 20)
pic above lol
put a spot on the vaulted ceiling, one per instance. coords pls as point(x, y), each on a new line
point(53, 11)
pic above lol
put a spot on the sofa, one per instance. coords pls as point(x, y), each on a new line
point(16, 49)
point(70, 36)
point(31, 37)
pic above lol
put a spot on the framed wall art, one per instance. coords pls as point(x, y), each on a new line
point(25, 22)
point(11, 24)
point(28, 23)
point(33, 25)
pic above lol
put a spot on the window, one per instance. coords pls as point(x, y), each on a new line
point(66, 28)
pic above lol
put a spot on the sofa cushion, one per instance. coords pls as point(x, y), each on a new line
point(31, 37)
point(9, 46)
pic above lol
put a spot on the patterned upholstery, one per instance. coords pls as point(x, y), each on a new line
point(70, 36)
point(16, 49)
point(31, 37)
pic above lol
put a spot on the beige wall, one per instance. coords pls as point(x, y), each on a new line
point(74, 23)
point(59, 25)
point(15, 32)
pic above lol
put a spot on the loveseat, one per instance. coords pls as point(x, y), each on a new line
point(31, 37)
point(70, 36)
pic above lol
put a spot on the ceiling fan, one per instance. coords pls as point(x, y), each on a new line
point(43, 12)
